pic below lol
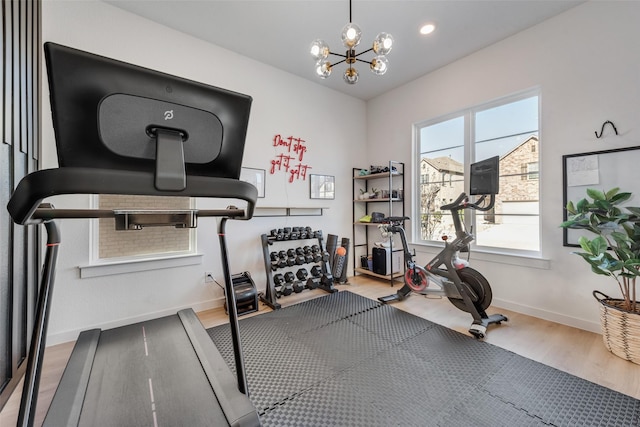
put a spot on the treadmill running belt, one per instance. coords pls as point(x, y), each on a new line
point(147, 372)
point(163, 372)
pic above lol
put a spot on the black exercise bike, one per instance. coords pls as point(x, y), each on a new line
point(465, 287)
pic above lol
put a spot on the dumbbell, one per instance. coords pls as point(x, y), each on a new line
point(278, 280)
point(287, 286)
point(299, 285)
point(316, 271)
point(317, 257)
point(286, 233)
point(281, 261)
point(302, 273)
point(299, 251)
point(314, 281)
point(291, 252)
point(276, 261)
point(307, 249)
point(300, 259)
point(308, 258)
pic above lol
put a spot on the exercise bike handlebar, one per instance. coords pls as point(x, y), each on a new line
point(462, 202)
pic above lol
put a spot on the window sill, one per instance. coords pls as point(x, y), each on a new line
point(520, 260)
point(133, 265)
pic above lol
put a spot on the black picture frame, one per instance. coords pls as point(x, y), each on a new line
point(604, 170)
point(322, 187)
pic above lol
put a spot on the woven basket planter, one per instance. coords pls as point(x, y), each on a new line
point(620, 328)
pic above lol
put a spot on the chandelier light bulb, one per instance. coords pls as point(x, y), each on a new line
point(383, 43)
point(323, 69)
point(379, 65)
point(351, 35)
point(319, 49)
point(350, 75)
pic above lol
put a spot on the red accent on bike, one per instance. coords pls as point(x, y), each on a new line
point(416, 280)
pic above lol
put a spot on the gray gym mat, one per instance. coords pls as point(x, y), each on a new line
point(346, 360)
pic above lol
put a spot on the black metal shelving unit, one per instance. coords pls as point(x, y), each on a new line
point(389, 199)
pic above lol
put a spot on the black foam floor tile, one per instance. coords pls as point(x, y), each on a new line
point(559, 398)
point(480, 409)
point(458, 354)
point(391, 324)
point(344, 303)
point(408, 390)
point(276, 375)
point(343, 344)
point(333, 402)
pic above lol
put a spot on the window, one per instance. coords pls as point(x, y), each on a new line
point(447, 146)
point(148, 241)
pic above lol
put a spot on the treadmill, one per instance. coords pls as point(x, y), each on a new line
point(125, 129)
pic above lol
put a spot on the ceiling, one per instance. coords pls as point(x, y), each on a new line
point(279, 33)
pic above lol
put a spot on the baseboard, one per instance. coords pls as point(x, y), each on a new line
point(551, 316)
point(72, 335)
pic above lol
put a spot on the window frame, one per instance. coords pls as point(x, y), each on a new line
point(134, 263)
point(468, 115)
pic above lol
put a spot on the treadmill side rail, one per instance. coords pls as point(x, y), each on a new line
point(66, 405)
point(236, 406)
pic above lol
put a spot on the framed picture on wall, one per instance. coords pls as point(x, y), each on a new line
point(256, 177)
point(602, 170)
point(322, 187)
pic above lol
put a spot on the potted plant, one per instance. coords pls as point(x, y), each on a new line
point(613, 252)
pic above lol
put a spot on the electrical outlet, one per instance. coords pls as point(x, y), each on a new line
point(208, 277)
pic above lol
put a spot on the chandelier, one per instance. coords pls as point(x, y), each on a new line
point(351, 35)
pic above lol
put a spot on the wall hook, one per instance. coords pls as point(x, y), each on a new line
point(602, 130)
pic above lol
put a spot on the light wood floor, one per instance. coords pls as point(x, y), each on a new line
point(578, 352)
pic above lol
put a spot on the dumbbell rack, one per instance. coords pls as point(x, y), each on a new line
point(293, 261)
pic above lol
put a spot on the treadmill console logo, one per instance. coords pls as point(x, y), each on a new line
point(168, 115)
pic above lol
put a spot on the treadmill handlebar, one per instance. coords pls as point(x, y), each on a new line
point(35, 187)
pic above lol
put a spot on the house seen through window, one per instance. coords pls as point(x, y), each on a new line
point(446, 147)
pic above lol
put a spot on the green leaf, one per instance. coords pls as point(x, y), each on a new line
point(619, 198)
point(609, 194)
point(582, 205)
point(597, 194)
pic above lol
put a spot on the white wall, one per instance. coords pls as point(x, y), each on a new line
point(587, 63)
point(282, 104)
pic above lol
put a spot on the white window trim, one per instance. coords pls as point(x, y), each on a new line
point(480, 253)
point(104, 267)
point(503, 255)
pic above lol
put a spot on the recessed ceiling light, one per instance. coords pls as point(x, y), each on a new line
point(427, 29)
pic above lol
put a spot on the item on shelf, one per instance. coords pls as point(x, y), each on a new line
point(382, 262)
point(366, 218)
point(377, 217)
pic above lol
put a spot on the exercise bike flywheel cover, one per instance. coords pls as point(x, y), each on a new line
point(411, 275)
